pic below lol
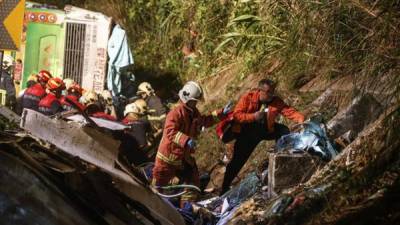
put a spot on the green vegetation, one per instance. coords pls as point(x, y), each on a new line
point(293, 40)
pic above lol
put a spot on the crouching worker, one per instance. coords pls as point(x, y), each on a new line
point(34, 93)
point(183, 124)
point(254, 121)
point(74, 92)
point(93, 106)
point(51, 103)
point(135, 144)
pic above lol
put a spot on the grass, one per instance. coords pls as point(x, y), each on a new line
point(322, 38)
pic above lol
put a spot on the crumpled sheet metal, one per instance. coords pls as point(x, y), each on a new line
point(312, 139)
point(227, 204)
point(100, 150)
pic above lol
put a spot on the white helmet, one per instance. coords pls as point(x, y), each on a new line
point(145, 88)
point(68, 83)
point(191, 91)
point(7, 61)
point(138, 107)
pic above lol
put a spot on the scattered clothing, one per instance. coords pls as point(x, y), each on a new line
point(312, 139)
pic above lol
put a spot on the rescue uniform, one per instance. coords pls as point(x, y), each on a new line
point(67, 106)
point(32, 97)
point(249, 132)
point(154, 103)
point(50, 105)
point(182, 123)
point(133, 146)
point(7, 84)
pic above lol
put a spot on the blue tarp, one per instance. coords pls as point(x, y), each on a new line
point(120, 56)
point(312, 139)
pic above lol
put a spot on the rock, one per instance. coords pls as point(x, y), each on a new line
point(352, 120)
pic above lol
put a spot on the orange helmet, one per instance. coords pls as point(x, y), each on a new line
point(55, 83)
point(44, 76)
point(75, 88)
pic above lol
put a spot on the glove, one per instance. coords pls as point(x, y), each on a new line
point(227, 108)
point(191, 144)
point(259, 116)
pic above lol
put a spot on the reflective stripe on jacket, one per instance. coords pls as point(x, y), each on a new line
point(182, 123)
point(50, 105)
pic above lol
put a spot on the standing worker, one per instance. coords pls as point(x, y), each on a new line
point(33, 94)
point(6, 82)
point(51, 103)
point(183, 124)
point(254, 121)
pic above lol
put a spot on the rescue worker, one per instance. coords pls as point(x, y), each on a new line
point(107, 102)
point(51, 104)
point(68, 83)
point(157, 111)
point(183, 124)
point(146, 92)
point(74, 92)
point(254, 121)
point(134, 148)
point(35, 93)
point(7, 83)
point(93, 107)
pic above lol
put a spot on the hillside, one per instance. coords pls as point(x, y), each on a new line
point(323, 54)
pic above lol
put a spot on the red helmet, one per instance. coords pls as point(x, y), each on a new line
point(55, 83)
point(44, 76)
point(75, 88)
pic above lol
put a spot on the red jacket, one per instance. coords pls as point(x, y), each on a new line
point(32, 96)
point(182, 123)
point(66, 106)
point(50, 105)
point(249, 104)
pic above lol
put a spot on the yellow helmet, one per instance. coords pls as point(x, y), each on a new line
point(90, 97)
point(145, 88)
point(107, 96)
point(138, 107)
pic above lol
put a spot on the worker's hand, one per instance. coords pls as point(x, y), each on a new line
point(191, 144)
point(259, 116)
point(227, 108)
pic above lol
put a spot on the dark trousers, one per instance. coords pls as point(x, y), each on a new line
point(246, 142)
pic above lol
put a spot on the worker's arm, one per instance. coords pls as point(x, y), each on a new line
point(240, 113)
point(290, 112)
point(172, 129)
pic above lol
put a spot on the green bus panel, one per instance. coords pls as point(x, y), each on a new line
point(44, 49)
